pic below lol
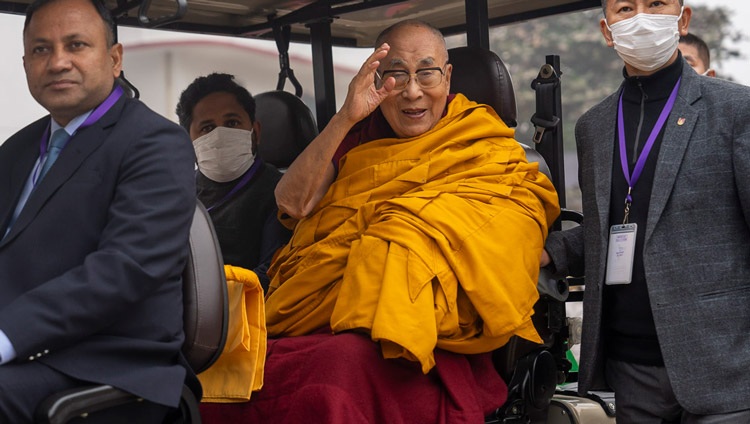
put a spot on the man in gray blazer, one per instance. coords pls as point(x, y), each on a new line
point(663, 169)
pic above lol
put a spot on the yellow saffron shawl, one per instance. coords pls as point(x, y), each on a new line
point(423, 242)
point(239, 370)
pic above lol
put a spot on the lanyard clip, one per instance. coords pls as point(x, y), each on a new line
point(628, 202)
point(627, 212)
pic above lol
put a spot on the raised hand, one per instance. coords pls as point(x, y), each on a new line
point(363, 97)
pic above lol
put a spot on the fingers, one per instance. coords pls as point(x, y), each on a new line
point(383, 86)
point(386, 86)
point(545, 259)
point(364, 95)
point(372, 62)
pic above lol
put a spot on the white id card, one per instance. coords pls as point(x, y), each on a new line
point(620, 254)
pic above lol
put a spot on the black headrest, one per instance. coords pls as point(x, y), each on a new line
point(287, 127)
point(481, 76)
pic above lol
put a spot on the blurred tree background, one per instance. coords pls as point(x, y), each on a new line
point(590, 70)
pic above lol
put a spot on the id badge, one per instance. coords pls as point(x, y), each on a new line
point(620, 254)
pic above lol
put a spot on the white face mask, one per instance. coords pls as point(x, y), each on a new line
point(224, 154)
point(646, 41)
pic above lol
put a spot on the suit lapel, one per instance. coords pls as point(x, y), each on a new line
point(80, 146)
point(677, 133)
point(604, 157)
point(24, 154)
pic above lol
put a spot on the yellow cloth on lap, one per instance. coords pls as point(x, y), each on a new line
point(423, 242)
point(239, 370)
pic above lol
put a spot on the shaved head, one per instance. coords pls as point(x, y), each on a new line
point(384, 36)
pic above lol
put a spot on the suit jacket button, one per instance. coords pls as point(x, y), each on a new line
point(39, 355)
point(46, 351)
point(31, 358)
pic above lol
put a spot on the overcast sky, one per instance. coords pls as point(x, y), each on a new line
point(737, 68)
point(17, 108)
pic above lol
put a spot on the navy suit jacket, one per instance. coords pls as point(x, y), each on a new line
point(90, 273)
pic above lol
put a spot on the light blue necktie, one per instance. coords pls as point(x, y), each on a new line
point(59, 138)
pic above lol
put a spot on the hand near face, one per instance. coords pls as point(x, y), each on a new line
point(363, 97)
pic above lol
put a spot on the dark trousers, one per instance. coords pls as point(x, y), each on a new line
point(24, 385)
point(644, 395)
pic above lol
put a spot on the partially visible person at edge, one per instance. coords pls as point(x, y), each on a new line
point(696, 53)
point(663, 165)
point(420, 220)
point(96, 202)
point(234, 184)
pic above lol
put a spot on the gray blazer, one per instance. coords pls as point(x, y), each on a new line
point(697, 242)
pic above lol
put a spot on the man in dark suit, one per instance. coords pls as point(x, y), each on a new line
point(663, 166)
point(93, 229)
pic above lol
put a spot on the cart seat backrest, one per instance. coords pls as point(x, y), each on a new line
point(204, 294)
point(287, 127)
point(481, 76)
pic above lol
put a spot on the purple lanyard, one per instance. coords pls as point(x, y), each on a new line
point(242, 183)
point(95, 116)
point(641, 163)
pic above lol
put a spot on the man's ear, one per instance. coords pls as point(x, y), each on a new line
point(684, 21)
point(710, 73)
point(256, 132)
point(448, 72)
point(115, 52)
point(256, 137)
point(606, 32)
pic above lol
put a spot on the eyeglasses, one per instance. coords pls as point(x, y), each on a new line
point(425, 77)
